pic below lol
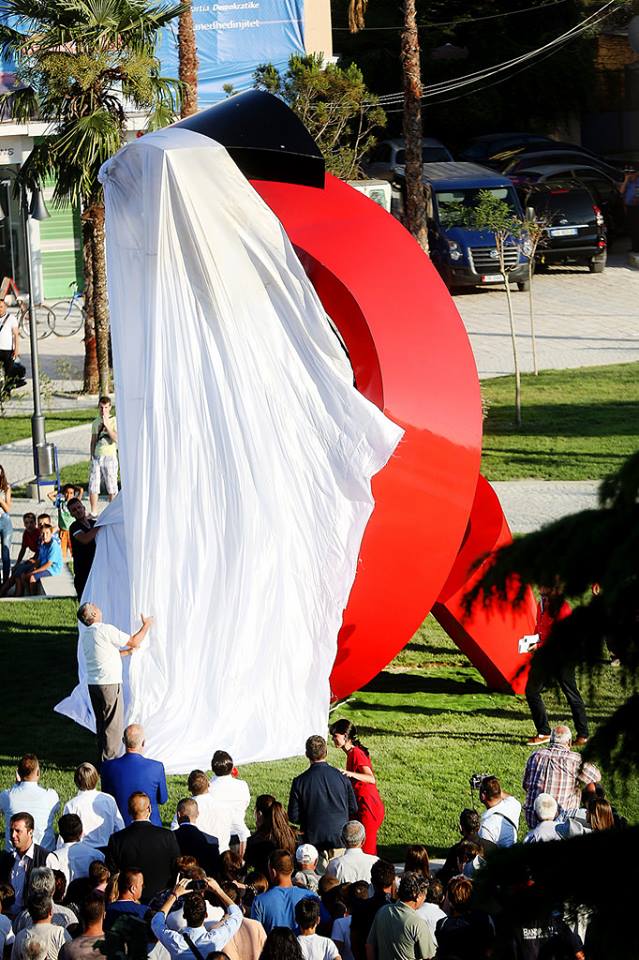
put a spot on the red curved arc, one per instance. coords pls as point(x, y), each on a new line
point(411, 356)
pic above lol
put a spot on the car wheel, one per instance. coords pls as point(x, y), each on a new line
point(597, 265)
point(523, 286)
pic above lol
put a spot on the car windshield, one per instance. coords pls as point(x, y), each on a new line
point(429, 155)
point(574, 206)
point(454, 205)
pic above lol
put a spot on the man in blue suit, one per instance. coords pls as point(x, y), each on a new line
point(134, 773)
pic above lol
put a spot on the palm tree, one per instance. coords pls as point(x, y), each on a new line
point(80, 65)
point(416, 220)
point(187, 60)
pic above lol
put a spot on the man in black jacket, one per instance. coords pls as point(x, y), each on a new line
point(322, 801)
point(150, 849)
point(192, 841)
point(15, 868)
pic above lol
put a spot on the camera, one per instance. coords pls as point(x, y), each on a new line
point(528, 643)
point(476, 779)
point(197, 885)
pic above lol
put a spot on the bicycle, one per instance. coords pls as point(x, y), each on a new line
point(44, 318)
point(68, 315)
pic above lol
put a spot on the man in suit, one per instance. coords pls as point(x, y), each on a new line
point(135, 773)
point(322, 801)
point(192, 841)
point(145, 847)
point(16, 866)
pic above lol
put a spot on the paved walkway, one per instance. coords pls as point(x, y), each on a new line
point(529, 504)
point(582, 319)
point(73, 447)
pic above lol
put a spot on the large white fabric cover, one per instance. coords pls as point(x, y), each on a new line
point(246, 456)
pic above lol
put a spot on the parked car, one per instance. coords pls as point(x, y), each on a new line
point(575, 227)
point(489, 147)
point(604, 189)
point(388, 158)
point(566, 156)
point(466, 257)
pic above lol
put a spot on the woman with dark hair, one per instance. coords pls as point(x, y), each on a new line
point(272, 832)
point(417, 860)
point(370, 809)
point(281, 944)
point(6, 526)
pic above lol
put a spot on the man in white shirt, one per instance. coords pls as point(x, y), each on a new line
point(98, 811)
point(500, 821)
point(27, 796)
point(354, 864)
point(103, 647)
point(73, 857)
point(231, 797)
point(52, 936)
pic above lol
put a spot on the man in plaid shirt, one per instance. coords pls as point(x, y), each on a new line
point(557, 770)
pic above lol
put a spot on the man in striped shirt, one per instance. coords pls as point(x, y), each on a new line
point(559, 771)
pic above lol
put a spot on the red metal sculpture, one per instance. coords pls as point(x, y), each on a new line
point(434, 515)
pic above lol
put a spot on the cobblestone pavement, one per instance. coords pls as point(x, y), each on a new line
point(582, 319)
point(529, 504)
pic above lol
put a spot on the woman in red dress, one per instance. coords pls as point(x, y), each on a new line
point(370, 809)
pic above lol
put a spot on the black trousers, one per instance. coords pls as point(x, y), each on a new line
point(537, 683)
point(632, 220)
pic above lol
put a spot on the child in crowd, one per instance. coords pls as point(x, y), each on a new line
point(61, 498)
point(30, 541)
point(313, 947)
point(48, 564)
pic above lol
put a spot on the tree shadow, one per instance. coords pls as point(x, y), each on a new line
point(387, 682)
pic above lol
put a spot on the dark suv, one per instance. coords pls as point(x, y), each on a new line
point(575, 228)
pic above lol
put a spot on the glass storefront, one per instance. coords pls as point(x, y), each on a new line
point(12, 252)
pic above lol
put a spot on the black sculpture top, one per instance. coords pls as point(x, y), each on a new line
point(263, 136)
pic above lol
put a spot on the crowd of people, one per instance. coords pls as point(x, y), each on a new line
point(306, 883)
point(48, 543)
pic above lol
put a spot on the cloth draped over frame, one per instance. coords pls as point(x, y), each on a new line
point(246, 456)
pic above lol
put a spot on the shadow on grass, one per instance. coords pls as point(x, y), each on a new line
point(490, 736)
point(566, 420)
point(387, 682)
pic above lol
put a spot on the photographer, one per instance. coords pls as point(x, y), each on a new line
point(194, 939)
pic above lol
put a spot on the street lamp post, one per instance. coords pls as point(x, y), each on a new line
point(38, 432)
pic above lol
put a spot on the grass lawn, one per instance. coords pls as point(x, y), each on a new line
point(19, 428)
point(428, 720)
point(577, 424)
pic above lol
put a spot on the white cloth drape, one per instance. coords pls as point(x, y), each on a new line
point(246, 456)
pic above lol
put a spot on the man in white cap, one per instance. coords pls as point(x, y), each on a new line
point(306, 857)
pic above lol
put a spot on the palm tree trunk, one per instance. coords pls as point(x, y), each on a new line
point(90, 354)
point(416, 220)
point(100, 300)
point(188, 62)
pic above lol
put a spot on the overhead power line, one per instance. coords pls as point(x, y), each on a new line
point(454, 23)
point(437, 90)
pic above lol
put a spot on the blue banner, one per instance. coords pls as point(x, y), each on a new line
point(233, 38)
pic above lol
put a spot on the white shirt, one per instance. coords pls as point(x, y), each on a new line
point(233, 793)
point(101, 644)
point(52, 936)
point(315, 947)
point(500, 823)
point(175, 920)
point(213, 820)
point(29, 797)
point(353, 865)
point(74, 859)
point(205, 940)
point(432, 914)
point(99, 815)
point(8, 323)
point(341, 933)
point(545, 830)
